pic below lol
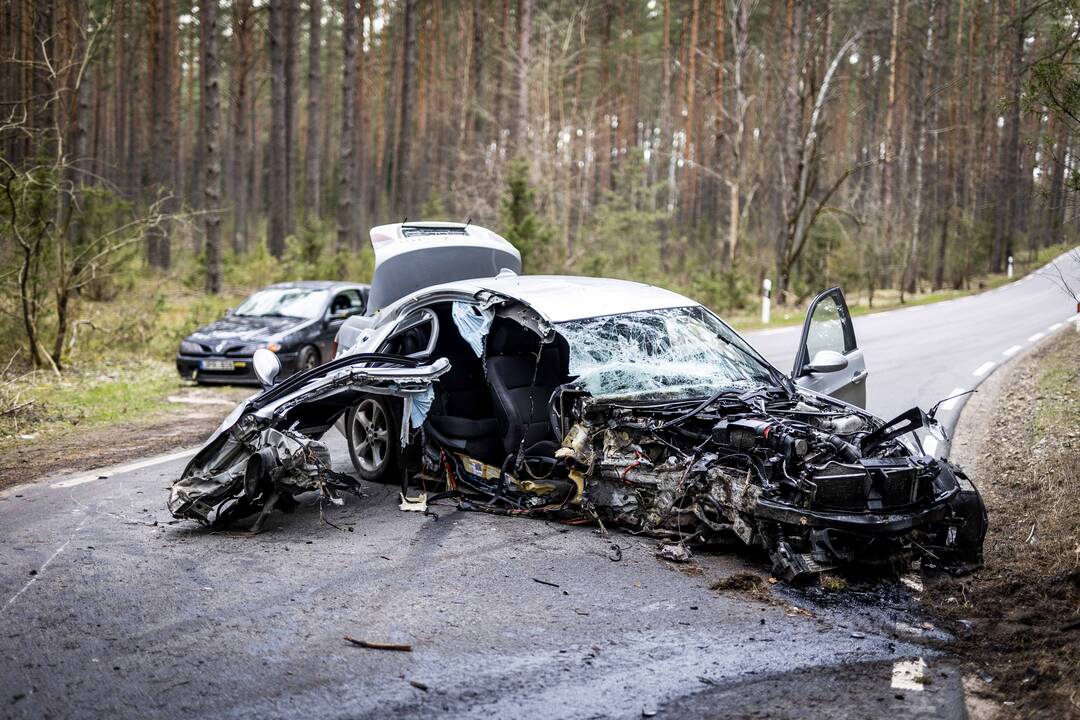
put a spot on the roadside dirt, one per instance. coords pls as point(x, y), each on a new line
point(1018, 618)
point(198, 411)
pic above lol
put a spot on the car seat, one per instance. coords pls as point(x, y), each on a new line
point(522, 373)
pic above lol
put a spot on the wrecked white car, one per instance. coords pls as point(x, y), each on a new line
point(591, 400)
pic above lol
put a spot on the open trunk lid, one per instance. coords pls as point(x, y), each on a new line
point(416, 255)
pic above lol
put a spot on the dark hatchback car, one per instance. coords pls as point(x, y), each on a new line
point(297, 321)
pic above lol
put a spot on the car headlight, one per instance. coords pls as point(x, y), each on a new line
point(272, 347)
point(188, 348)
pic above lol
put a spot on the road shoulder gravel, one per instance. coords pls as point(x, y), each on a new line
point(194, 413)
point(1018, 618)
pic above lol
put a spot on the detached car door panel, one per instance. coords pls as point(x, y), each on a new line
point(829, 360)
point(274, 436)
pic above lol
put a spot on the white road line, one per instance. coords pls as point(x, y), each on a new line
point(984, 368)
point(1013, 350)
point(109, 472)
point(1056, 326)
point(955, 396)
point(40, 570)
point(930, 446)
point(1036, 337)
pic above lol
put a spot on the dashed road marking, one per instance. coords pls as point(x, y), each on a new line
point(1013, 350)
point(984, 368)
point(37, 574)
point(909, 675)
point(1037, 337)
point(109, 472)
point(955, 396)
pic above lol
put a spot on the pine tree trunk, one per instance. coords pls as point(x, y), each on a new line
point(403, 189)
point(279, 150)
point(346, 232)
point(242, 110)
point(1055, 201)
point(363, 183)
point(476, 77)
point(292, 97)
point(689, 174)
point(741, 41)
point(791, 124)
point(929, 97)
point(718, 122)
point(313, 169)
point(121, 78)
point(211, 141)
point(503, 58)
point(1009, 170)
point(521, 111)
point(162, 161)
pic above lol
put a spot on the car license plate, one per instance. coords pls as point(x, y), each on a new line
point(217, 365)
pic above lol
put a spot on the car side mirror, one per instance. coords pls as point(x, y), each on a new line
point(334, 318)
point(827, 361)
point(267, 366)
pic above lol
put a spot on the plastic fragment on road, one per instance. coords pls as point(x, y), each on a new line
point(413, 504)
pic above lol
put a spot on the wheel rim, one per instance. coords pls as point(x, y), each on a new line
point(309, 360)
point(371, 435)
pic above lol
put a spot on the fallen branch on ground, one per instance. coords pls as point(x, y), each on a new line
point(400, 647)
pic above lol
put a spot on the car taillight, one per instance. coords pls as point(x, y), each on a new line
point(378, 240)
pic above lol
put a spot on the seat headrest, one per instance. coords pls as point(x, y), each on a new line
point(509, 338)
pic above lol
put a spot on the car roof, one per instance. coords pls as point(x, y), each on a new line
point(560, 298)
point(319, 284)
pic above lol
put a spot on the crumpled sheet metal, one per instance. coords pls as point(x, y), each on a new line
point(286, 458)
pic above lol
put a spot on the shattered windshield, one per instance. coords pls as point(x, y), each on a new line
point(674, 353)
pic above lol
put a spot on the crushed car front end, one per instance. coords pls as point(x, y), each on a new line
point(808, 479)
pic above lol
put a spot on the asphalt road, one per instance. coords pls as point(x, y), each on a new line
point(110, 608)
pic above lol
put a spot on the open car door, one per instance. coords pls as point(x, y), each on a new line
point(829, 360)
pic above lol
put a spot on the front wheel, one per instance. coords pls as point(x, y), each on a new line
point(372, 438)
point(308, 359)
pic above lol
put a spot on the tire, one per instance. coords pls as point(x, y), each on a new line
point(307, 359)
point(371, 431)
